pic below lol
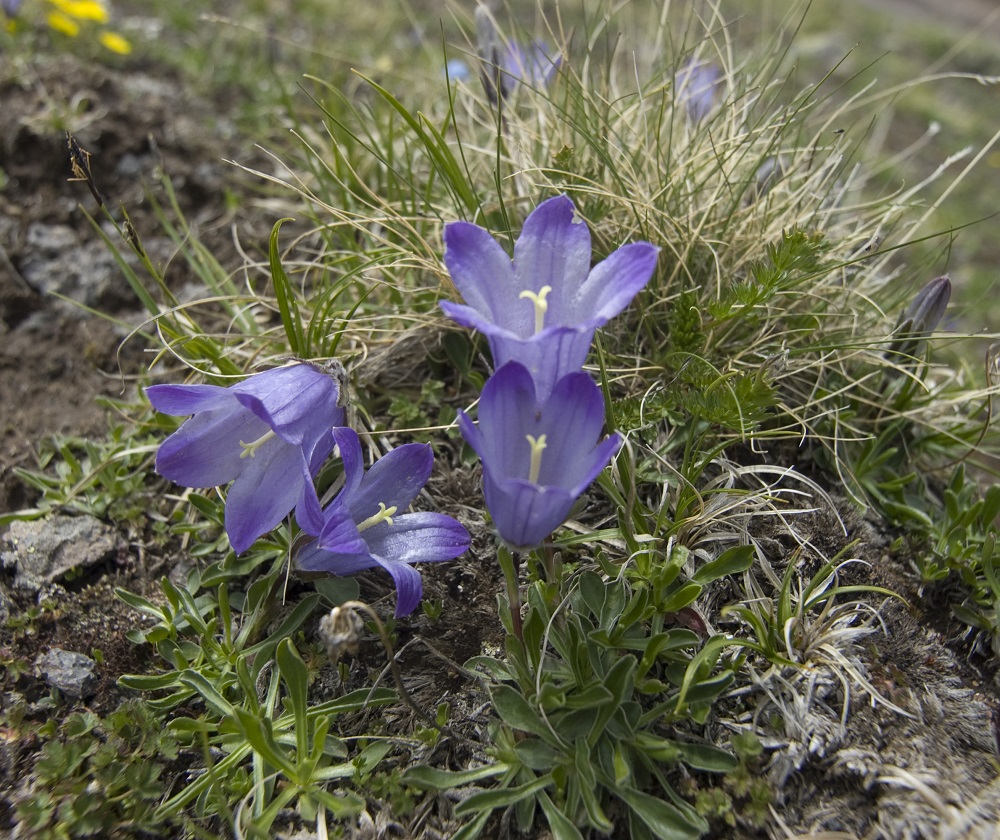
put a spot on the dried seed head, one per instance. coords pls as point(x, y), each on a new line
point(340, 632)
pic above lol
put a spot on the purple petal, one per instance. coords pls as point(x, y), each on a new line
point(349, 446)
point(205, 451)
point(572, 421)
point(615, 281)
point(419, 538)
point(179, 400)
point(299, 401)
point(311, 558)
point(554, 251)
point(340, 532)
point(482, 273)
point(548, 356)
point(507, 412)
point(264, 493)
point(525, 514)
point(409, 587)
point(394, 480)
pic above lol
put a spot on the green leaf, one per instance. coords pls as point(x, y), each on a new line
point(708, 758)
point(732, 561)
point(681, 598)
point(663, 819)
point(517, 712)
point(560, 826)
point(291, 319)
point(431, 778)
point(296, 678)
point(490, 800)
point(535, 754)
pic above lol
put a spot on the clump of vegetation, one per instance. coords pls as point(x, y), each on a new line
point(775, 356)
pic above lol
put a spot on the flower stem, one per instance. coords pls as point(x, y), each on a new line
point(510, 563)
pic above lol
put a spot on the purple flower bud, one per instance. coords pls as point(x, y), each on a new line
point(268, 434)
point(920, 318)
point(506, 65)
point(538, 458)
point(542, 308)
point(366, 524)
point(697, 87)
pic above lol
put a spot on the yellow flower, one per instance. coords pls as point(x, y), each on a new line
point(116, 43)
point(61, 23)
point(82, 9)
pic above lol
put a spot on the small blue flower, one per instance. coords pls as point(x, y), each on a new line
point(696, 88)
point(268, 434)
point(10, 7)
point(538, 458)
point(457, 70)
point(365, 526)
point(542, 308)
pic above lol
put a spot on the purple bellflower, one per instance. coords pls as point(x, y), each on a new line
point(538, 458)
point(366, 526)
point(696, 86)
point(542, 308)
point(268, 434)
point(10, 7)
point(504, 66)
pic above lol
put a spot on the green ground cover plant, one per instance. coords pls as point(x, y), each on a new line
point(775, 361)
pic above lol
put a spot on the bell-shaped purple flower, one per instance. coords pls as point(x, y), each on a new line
point(505, 65)
point(696, 87)
point(542, 308)
point(268, 434)
point(538, 458)
point(365, 526)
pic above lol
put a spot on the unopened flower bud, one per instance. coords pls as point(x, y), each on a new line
point(921, 317)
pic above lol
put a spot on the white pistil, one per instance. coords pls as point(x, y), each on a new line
point(540, 303)
point(536, 457)
point(384, 515)
point(251, 448)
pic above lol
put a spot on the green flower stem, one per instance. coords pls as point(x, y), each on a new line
point(510, 563)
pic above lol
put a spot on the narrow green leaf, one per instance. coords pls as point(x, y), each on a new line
point(490, 800)
point(560, 826)
point(662, 818)
point(732, 561)
point(431, 778)
point(291, 319)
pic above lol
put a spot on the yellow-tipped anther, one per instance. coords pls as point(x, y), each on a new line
point(384, 515)
point(540, 303)
point(537, 446)
point(251, 448)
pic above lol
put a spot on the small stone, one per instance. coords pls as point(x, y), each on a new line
point(72, 673)
point(46, 551)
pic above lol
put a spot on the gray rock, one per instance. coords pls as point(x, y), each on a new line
point(72, 673)
point(47, 550)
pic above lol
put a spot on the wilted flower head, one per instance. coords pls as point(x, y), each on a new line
point(696, 87)
point(268, 434)
point(538, 458)
point(366, 524)
point(542, 308)
point(920, 318)
point(504, 65)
